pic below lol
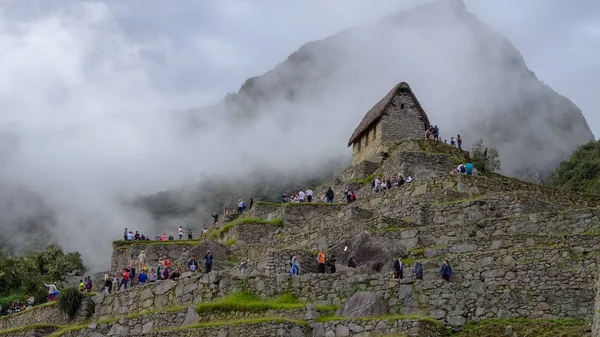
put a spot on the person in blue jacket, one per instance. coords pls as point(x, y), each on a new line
point(469, 168)
point(446, 271)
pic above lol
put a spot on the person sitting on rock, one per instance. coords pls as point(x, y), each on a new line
point(192, 264)
point(469, 168)
point(398, 268)
point(321, 258)
point(152, 276)
point(400, 180)
point(388, 183)
point(352, 261)
point(446, 271)
point(452, 141)
point(175, 275)
point(142, 277)
point(171, 237)
point(418, 270)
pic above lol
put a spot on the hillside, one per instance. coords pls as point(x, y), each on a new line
point(581, 172)
point(471, 80)
point(523, 259)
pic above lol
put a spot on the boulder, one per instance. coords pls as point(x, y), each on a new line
point(363, 304)
point(372, 254)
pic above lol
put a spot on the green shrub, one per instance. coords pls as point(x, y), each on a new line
point(69, 301)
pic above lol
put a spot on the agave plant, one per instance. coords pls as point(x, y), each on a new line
point(69, 300)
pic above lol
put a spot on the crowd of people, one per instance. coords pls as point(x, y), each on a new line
point(17, 307)
point(433, 133)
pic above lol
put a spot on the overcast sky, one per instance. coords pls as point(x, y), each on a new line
point(195, 52)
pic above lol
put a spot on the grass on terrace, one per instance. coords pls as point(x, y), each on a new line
point(123, 243)
point(247, 301)
point(386, 317)
point(238, 322)
point(314, 203)
point(525, 327)
point(220, 233)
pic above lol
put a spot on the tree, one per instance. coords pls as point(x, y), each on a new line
point(485, 159)
point(581, 172)
point(23, 276)
point(54, 265)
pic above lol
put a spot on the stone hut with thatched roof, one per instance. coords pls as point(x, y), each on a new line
point(398, 116)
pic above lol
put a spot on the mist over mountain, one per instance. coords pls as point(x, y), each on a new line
point(470, 79)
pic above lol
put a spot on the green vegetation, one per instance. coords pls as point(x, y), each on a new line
point(27, 328)
point(230, 242)
point(238, 322)
point(68, 328)
point(485, 159)
point(386, 317)
point(367, 180)
point(581, 172)
point(524, 327)
point(247, 301)
point(26, 275)
point(69, 301)
point(267, 203)
point(220, 233)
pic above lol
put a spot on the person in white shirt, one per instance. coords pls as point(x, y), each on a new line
point(377, 187)
point(301, 196)
point(309, 194)
point(180, 233)
point(409, 179)
point(129, 236)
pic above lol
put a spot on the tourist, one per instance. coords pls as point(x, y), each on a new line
point(52, 291)
point(243, 266)
point(215, 218)
point(418, 270)
point(190, 235)
point(208, 261)
point(329, 195)
point(409, 179)
point(309, 194)
point(398, 268)
point(124, 279)
point(436, 133)
point(142, 277)
point(115, 282)
point(152, 276)
point(452, 141)
point(301, 196)
point(469, 168)
point(30, 301)
point(107, 284)
point(284, 198)
point(165, 273)
point(332, 261)
point(352, 261)
point(446, 271)
point(125, 235)
point(192, 264)
point(459, 141)
point(295, 270)
point(81, 286)
point(321, 257)
point(176, 275)
point(376, 185)
point(241, 206)
point(180, 231)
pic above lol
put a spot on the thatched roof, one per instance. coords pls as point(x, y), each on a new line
point(378, 109)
